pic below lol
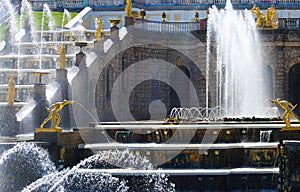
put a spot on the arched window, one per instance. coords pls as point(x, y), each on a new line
point(294, 86)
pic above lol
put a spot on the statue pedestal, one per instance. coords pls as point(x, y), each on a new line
point(8, 123)
point(48, 130)
point(61, 146)
point(129, 21)
point(291, 128)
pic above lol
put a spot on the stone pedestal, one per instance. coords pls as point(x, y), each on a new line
point(65, 113)
point(129, 21)
point(62, 146)
point(98, 46)
point(114, 33)
point(289, 160)
point(80, 59)
point(40, 111)
point(8, 121)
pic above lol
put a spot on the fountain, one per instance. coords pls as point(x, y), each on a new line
point(196, 149)
point(12, 24)
point(234, 37)
point(51, 24)
point(22, 165)
point(27, 160)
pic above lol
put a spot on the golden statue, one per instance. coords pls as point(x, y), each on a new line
point(53, 116)
point(128, 8)
point(260, 17)
point(268, 20)
point(271, 20)
point(11, 90)
point(288, 107)
point(62, 57)
point(99, 28)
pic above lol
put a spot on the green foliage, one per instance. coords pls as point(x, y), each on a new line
point(38, 16)
point(57, 18)
point(3, 29)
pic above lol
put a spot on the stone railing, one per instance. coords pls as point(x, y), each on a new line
point(175, 27)
point(158, 26)
point(106, 2)
point(201, 2)
point(74, 4)
point(291, 23)
point(153, 4)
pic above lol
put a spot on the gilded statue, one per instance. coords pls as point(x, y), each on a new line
point(99, 28)
point(11, 90)
point(128, 8)
point(54, 116)
point(260, 17)
point(271, 20)
point(268, 20)
point(288, 107)
point(62, 57)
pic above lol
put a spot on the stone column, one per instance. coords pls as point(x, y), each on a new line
point(81, 57)
point(65, 113)
point(114, 33)
point(98, 47)
point(40, 111)
point(80, 90)
point(8, 120)
point(129, 21)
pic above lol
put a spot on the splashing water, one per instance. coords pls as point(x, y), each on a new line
point(26, 7)
point(265, 136)
point(22, 165)
point(237, 81)
point(12, 20)
point(76, 179)
point(65, 14)
point(46, 13)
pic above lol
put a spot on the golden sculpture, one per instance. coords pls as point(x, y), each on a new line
point(288, 107)
point(268, 20)
point(62, 57)
point(62, 152)
point(99, 28)
point(271, 20)
point(128, 8)
point(53, 116)
point(11, 90)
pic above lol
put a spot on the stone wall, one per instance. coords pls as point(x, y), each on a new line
point(186, 51)
point(282, 48)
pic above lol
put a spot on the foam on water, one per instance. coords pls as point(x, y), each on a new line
point(28, 164)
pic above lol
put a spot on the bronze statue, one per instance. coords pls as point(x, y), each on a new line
point(62, 57)
point(128, 8)
point(99, 28)
point(288, 107)
point(53, 116)
point(11, 90)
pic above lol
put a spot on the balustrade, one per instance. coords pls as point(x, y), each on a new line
point(158, 26)
point(199, 2)
point(152, 3)
point(106, 2)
